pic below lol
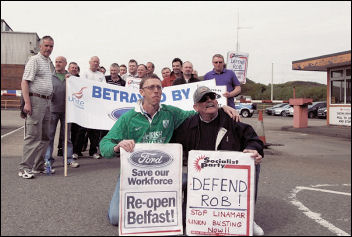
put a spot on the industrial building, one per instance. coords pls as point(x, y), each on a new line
point(16, 48)
point(338, 68)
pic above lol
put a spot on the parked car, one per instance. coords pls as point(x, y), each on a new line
point(313, 108)
point(245, 109)
point(269, 110)
point(322, 112)
point(288, 112)
point(282, 110)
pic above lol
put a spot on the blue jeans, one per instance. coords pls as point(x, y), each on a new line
point(54, 119)
point(113, 212)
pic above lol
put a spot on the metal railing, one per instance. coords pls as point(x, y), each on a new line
point(5, 103)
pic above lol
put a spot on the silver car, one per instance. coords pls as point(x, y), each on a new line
point(270, 110)
point(282, 110)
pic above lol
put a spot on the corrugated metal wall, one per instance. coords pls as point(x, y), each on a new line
point(16, 47)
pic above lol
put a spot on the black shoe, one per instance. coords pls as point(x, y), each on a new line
point(59, 152)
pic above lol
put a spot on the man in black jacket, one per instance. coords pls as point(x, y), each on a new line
point(213, 129)
point(187, 75)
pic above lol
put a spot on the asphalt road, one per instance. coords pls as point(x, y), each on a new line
point(304, 187)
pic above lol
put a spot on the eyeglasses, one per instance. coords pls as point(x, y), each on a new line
point(152, 87)
point(216, 62)
point(212, 96)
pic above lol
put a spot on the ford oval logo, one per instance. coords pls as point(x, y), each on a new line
point(116, 114)
point(150, 159)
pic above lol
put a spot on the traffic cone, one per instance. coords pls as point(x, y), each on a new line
point(260, 127)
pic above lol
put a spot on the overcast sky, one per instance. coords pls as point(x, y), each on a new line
point(278, 32)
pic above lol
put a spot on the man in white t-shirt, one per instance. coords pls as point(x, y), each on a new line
point(93, 73)
point(94, 134)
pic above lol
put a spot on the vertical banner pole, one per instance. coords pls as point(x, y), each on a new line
point(65, 155)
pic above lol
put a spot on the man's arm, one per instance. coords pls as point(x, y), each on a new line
point(233, 93)
point(249, 138)
point(27, 102)
point(111, 143)
point(231, 112)
point(29, 74)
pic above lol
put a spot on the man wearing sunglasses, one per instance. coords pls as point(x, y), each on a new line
point(148, 122)
point(213, 129)
point(224, 77)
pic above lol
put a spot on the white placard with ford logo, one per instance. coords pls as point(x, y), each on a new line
point(220, 193)
point(151, 190)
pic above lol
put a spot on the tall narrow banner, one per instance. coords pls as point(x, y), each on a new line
point(238, 63)
point(98, 105)
point(220, 193)
point(151, 190)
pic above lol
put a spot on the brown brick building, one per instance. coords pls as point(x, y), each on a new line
point(16, 48)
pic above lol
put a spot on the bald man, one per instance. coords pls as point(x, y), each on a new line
point(93, 72)
point(57, 113)
point(187, 74)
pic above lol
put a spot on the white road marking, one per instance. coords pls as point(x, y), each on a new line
point(11, 132)
point(314, 215)
point(322, 190)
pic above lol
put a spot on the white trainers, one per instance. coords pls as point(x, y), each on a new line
point(26, 174)
point(73, 164)
point(257, 230)
point(96, 156)
point(75, 156)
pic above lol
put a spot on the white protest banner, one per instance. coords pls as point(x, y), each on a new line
point(98, 105)
point(151, 190)
point(181, 96)
point(238, 63)
point(220, 90)
point(220, 193)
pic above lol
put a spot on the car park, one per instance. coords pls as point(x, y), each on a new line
point(283, 110)
point(313, 108)
point(322, 112)
point(269, 110)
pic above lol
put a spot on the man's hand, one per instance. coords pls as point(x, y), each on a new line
point(232, 113)
point(27, 108)
point(255, 155)
point(128, 145)
point(227, 94)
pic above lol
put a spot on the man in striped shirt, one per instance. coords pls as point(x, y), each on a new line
point(114, 77)
point(37, 89)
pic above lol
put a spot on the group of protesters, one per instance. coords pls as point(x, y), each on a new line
point(44, 104)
